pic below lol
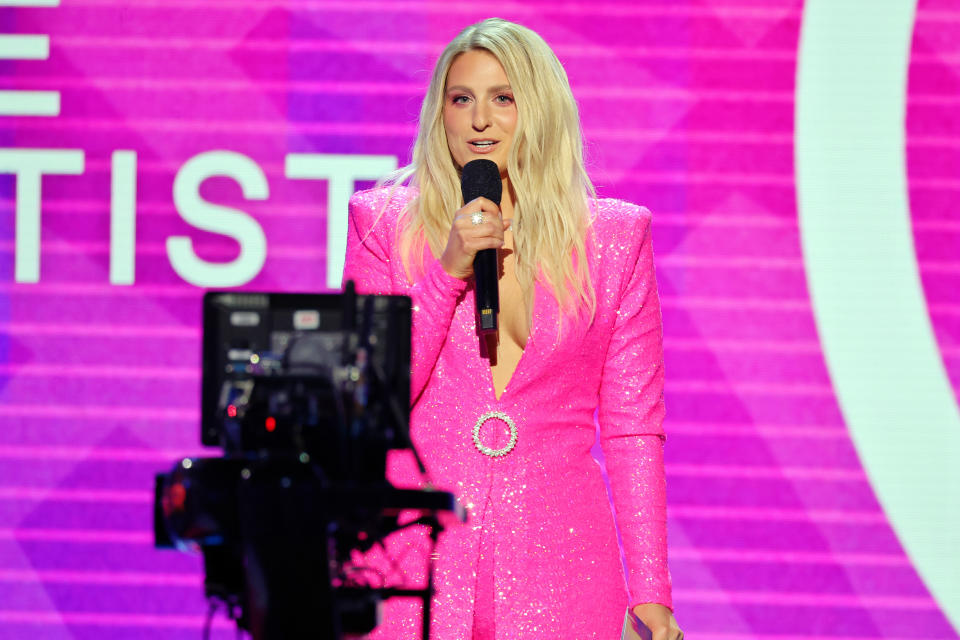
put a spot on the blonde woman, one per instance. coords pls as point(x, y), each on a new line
point(508, 424)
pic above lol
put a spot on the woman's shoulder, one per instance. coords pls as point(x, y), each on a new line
point(387, 201)
point(621, 233)
point(613, 218)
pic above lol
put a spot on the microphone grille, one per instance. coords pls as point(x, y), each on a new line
point(481, 178)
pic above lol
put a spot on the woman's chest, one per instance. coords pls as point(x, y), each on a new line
point(506, 350)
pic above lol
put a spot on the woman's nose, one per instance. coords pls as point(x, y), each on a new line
point(481, 119)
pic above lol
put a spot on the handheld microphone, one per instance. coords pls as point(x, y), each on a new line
point(481, 178)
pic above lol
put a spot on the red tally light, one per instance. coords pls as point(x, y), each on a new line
point(231, 411)
point(271, 424)
point(174, 499)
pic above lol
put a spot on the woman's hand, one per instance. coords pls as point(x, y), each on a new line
point(660, 621)
point(466, 238)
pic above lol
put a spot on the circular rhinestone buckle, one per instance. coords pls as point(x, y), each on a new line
point(487, 451)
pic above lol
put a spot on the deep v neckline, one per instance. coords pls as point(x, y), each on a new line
point(523, 355)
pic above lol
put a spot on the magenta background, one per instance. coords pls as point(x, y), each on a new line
point(687, 108)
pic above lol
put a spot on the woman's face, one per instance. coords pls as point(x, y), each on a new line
point(479, 113)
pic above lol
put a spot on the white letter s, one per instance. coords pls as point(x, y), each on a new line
point(218, 219)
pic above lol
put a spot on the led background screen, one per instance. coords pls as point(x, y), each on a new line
point(809, 481)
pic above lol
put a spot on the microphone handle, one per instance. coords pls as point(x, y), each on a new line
point(487, 289)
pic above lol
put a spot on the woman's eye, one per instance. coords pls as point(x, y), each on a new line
point(504, 99)
point(460, 99)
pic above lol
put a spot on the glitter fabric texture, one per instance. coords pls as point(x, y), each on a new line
point(538, 557)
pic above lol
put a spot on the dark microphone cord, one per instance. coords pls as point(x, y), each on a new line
point(481, 178)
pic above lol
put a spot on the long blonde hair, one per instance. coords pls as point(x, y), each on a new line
point(545, 165)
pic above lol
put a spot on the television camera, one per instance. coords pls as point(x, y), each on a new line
point(305, 394)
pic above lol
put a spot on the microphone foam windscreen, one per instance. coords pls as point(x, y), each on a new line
point(481, 178)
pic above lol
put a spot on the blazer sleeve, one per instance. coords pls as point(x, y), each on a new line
point(434, 296)
point(631, 423)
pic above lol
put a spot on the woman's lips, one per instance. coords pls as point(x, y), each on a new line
point(484, 148)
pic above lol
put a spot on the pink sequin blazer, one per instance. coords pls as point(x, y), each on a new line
point(541, 539)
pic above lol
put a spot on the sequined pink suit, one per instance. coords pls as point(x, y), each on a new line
point(539, 556)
